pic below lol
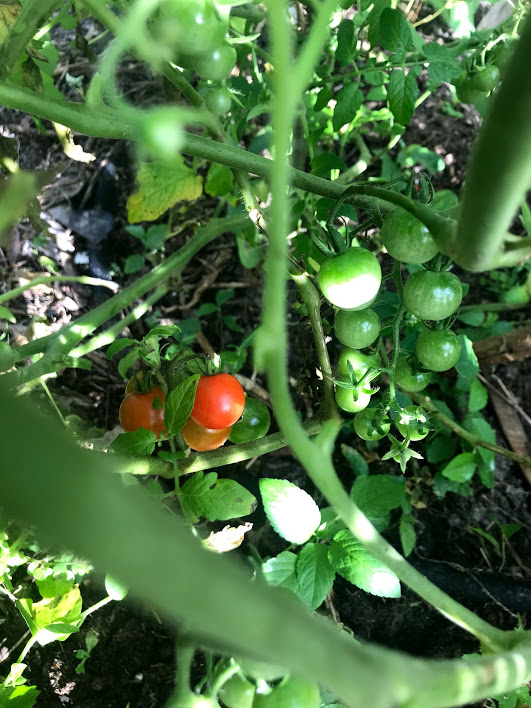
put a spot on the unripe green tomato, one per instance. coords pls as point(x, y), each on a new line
point(237, 692)
point(7, 357)
point(417, 426)
point(407, 239)
point(190, 26)
point(346, 401)
point(351, 280)
point(160, 134)
point(432, 296)
point(115, 588)
point(487, 78)
point(356, 329)
point(291, 693)
point(217, 63)
point(519, 295)
point(253, 424)
point(409, 377)
point(438, 350)
point(467, 92)
point(372, 424)
point(502, 52)
point(359, 362)
point(218, 101)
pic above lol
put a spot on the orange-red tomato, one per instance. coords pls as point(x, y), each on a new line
point(137, 411)
point(204, 439)
point(219, 401)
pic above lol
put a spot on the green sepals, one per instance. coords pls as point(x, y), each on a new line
point(400, 452)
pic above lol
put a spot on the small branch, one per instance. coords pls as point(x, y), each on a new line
point(43, 279)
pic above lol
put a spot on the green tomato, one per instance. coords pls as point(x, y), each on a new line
point(351, 281)
point(502, 52)
point(467, 92)
point(487, 78)
point(414, 423)
point(518, 295)
point(350, 400)
point(409, 377)
point(438, 350)
point(291, 693)
point(217, 63)
point(219, 101)
point(192, 26)
point(356, 328)
point(115, 588)
point(432, 296)
point(407, 239)
point(372, 424)
point(7, 357)
point(237, 692)
point(359, 362)
point(253, 424)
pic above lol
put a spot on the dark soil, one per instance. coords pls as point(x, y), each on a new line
point(133, 662)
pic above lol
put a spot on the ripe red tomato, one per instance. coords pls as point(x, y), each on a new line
point(137, 411)
point(219, 401)
point(203, 439)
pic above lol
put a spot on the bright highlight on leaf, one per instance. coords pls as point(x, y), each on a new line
point(291, 511)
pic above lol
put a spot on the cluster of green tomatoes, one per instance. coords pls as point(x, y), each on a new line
point(196, 32)
point(351, 281)
point(477, 81)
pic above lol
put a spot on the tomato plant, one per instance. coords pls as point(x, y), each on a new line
point(219, 401)
point(191, 27)
point(254, 423)
point(407, 239)
point(350, 400)
point(432, 296)
point(237, 692)
point(137, 411)
point(356, 328)
point(486, 78)
point(351, 280)
point(7, 356)
point(468, 92)
point(409, 377)
point(413, 422)
point(217, 63)
point(290, 693)
point(204, 439)
point(218, 101)
point(438, 350)
point(359, 362)
point(372, 424)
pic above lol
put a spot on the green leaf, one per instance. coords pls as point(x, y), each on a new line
point(376, 495)
point(373, 20)
point(461, 468)
point(402, 93)
point(349, 100)
point(358, 566)
point(161, 185)
point(473, 318)
point(250, 256)
point(291, 511)
point(220, 180)
point(440, 448)
point(347, 38)
point(281, 571)
point(179, 404)
point(358, 464)
point(478, 396)
point(395, 31)
point(139, 443)
point(6, 314)
point(114, 588)
point(18, 697)
point(408, 537)
point(118, 345)
point(66, 608)
point(16, 192)
point(467, 364)
point(204, 495)
point(441, 63)
point(323, 97)
point(128, 361)
point(315, 574)
point(324, 163)
point(330, 523)
point(134, 263)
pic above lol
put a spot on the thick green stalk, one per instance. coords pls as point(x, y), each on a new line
point(499, 172)
point(117, 528)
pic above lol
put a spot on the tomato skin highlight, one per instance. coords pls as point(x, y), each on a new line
point(438, 350)
point(432, 296)
point(356, 329)
point(136, 411)
point(351, 281)
point(407, 239)
point(254, 423)
point(219, 401)
point(409, 378)
point(365, 424)
point(204, 439)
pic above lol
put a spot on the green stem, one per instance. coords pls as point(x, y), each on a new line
point(32, 17)
point(43, 279)
point(397, 321)
point(185, 656)
point(97, 606)
point(472, 440)
point(499, 171)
